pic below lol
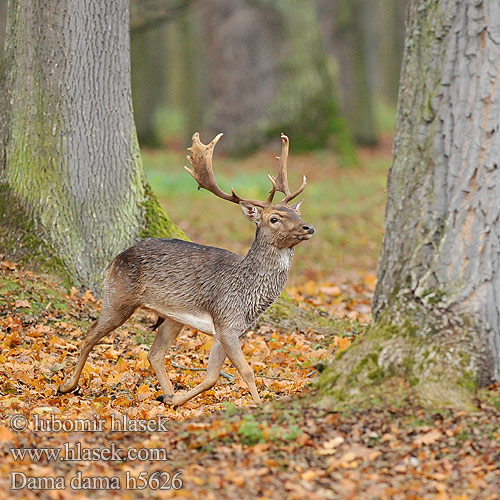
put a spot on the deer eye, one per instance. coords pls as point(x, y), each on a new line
point(274, 220)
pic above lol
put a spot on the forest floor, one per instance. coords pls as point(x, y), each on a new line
point(219, 445)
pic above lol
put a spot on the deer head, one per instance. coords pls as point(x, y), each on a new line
point(280, 224)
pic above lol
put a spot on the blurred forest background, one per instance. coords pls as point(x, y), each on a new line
point(325, 72)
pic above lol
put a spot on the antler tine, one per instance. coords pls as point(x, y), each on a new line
point(281, 182)
point(290, 197)
point(200, 158)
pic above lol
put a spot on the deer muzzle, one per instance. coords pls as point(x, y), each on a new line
point(308, 232)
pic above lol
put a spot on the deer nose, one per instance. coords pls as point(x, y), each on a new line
point(308, 228)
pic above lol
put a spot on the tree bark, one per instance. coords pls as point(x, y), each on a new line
point(436, 301)
point(72, 187)
point(3, 22)
point(268, 73)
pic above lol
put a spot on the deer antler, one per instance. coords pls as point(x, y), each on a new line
point(280, 183)
point(200, 158)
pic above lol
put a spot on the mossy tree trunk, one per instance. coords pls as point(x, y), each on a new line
point(72, 187)
point(3, 23)
point(437, 330)
point(268, 72)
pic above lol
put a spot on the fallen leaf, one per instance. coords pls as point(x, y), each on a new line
point(88, 296)
point(18, 304)
point(6, 434)
point(329, 447)
point(428, 438)
point(334, 291)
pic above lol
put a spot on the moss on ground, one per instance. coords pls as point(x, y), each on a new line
point(401, 356)
point(285, 314)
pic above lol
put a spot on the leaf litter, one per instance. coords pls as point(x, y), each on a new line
point(224, 446)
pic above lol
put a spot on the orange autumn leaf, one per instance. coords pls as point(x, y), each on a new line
point(143, 392)
point(6, 434)
point(429, 437)
point(113, 378)
point(13, 322)
point(121, 365)
point(88, 296)
point(342, 343)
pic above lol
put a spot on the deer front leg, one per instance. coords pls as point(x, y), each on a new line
point(215, 362)
point(167, 333)
point(235, 354)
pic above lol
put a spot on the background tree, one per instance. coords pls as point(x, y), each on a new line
point(148, 70)
point(268, 72)
point(189, 93)
point(3, 22)
point(3, 19)
point(72, 186)
point(344, 26)
point(150, 14)
point(390, 27)
point(438, 317)
point(272, 51)
point(165, 67)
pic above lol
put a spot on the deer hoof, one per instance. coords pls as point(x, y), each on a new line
point(61, 390)
point(166, 398)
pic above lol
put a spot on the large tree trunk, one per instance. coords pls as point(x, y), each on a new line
point(72, 188)
point(268, 73)
point(436, 302)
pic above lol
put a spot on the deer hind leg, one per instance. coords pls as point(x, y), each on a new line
point(167, 333)
point(215, 362)
point(235, 354)
point(109, 320)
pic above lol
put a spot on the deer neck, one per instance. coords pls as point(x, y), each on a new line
point(267, 258)
point(265, 271)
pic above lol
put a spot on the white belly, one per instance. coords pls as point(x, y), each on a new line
point(199, 321)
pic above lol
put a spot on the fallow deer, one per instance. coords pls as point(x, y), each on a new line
point(206, 288)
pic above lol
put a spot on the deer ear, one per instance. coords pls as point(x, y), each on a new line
point(251, 212)
point(296, 206)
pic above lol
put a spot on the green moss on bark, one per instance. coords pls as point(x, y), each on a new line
point(406, 354)
point(20, 240)
point(157, 223)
